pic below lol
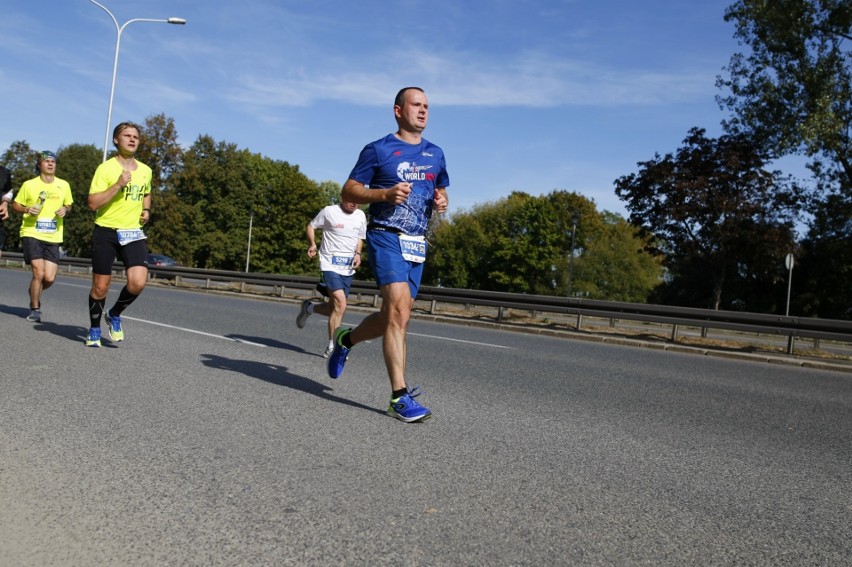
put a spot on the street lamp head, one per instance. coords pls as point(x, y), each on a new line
point(178, 21)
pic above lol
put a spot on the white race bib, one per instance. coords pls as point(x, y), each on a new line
point(342, 261)
point(413, 248)
point(128, 235)
point(46, 225)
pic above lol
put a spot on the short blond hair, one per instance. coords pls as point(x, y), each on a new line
point(122, 127)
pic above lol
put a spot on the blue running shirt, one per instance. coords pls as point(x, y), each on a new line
point(386, 162)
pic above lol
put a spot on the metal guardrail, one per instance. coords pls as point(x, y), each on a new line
point(791, 327)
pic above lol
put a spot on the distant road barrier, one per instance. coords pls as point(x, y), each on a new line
point(791, 327)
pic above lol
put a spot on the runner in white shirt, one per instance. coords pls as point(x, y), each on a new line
point(344, 228)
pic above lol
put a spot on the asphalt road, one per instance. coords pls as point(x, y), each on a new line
point(212, 436)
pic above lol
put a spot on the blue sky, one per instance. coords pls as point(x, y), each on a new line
point(530, 95)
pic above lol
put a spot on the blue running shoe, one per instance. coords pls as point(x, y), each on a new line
point(93, 339)
point(339, 354)
point(114, 329)
point(405, 408)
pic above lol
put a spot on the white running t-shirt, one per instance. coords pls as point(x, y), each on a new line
point(341, 232)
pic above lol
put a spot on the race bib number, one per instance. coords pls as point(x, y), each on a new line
point(46, 225)
point(126, 236)
point(413, 248)
point(342, 261)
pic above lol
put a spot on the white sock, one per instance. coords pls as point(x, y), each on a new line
point(331, 344)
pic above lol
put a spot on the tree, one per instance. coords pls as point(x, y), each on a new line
point(525, 234)
point(518, 244)
point(219, 190)
point(331, 190)
point(159, 149)
point(76, 164)
point(522, 244)
point(715, 214)
point(793, 94)
point(20, 160)
point(822, 280)
point(455, 252)
point(615, 265)
point(286, 201)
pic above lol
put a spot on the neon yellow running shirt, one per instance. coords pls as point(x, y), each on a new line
point(124, 210)
point(45, 226)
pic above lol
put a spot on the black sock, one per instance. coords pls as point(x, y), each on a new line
point(397, 393)
point(96, 309)
point(125, 298)
point(346, 340)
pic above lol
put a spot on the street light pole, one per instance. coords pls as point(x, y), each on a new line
point(248, 250)
point(788, 262)
point(574, 220)
point(118, 30)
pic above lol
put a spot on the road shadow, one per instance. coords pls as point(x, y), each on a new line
point(278, 375)
point(21, 312)
point(74, 333)
point(272, 343)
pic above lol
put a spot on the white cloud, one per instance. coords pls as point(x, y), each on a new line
point(529, 80)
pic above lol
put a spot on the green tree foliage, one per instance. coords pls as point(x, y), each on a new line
point(159, 149)
point(722, 222)
point(823, 280)
point(512, 246)
point(76, 164)
point(522, 244)
point(216, 193)
point(525, 244)
point(793, 91)
point(793, 94)
point(331, 190)
point(615, 265)
point(454, 253)
point(287, 201)
point(20, 159)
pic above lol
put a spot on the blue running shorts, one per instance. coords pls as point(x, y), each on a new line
point(334, 281)
point(388, 264)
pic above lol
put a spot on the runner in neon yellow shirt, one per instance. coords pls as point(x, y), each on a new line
point(126, 207)
point(120, 195)
point(44, 201)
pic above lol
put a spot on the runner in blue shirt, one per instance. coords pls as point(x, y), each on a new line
point(404, 179)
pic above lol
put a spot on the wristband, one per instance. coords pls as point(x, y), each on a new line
point(143, 210)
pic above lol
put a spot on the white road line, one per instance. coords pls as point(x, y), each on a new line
point(462, 341)
point(261, 345)
point(245, 342)
point(353, 325)
point(193, 331)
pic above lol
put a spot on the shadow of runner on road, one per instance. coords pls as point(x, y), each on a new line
point(279, 376)
point(266, 341)
point(21, 312)
point(75, 333)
